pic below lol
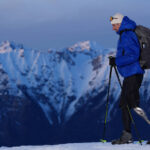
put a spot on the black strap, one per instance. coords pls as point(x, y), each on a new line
point(127, 30)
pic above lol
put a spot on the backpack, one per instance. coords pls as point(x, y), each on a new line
point(143, 35)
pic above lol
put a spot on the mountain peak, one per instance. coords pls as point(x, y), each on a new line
point(8, 46)
point(85, 45)
point(80, 46)
point(5, 47)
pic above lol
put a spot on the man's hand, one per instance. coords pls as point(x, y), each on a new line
point(112, 61)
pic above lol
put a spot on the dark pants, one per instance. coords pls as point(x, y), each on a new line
point(130, 98)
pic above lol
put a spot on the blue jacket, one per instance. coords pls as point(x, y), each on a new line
point(128, 50)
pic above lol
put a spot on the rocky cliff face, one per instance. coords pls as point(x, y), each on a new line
point(59, 96)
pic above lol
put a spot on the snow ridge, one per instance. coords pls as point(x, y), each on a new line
point(62, 81)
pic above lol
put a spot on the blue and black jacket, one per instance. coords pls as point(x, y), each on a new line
point(128, 50)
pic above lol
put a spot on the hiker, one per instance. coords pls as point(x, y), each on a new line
point(127, 62)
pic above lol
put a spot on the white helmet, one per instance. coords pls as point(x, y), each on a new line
point(117, 18)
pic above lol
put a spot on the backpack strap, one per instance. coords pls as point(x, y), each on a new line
point(125, 31)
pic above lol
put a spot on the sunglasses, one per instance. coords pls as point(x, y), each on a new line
point(111, 18)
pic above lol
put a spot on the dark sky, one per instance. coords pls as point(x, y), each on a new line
point(44, 24)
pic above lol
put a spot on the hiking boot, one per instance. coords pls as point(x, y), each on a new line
point(125, 138)
point(148, 142)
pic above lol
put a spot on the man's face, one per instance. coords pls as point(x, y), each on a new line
point(116, 27)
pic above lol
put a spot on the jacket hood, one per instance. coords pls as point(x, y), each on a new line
point(127, 24)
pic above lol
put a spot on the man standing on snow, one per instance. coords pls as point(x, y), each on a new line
point(127, 62)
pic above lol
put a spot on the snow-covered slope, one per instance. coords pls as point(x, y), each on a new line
point(57, 95)
point(82, 146)
point(52, 77)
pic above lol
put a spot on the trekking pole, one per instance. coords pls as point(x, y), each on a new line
point(107, 103)
point(136, 130)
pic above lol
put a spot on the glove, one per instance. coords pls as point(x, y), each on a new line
point(112, 61)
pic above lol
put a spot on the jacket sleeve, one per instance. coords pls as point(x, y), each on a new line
point(131, 48)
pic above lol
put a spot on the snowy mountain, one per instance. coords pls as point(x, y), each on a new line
point(59, 96)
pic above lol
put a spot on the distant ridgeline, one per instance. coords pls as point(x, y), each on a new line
point(59, 96)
